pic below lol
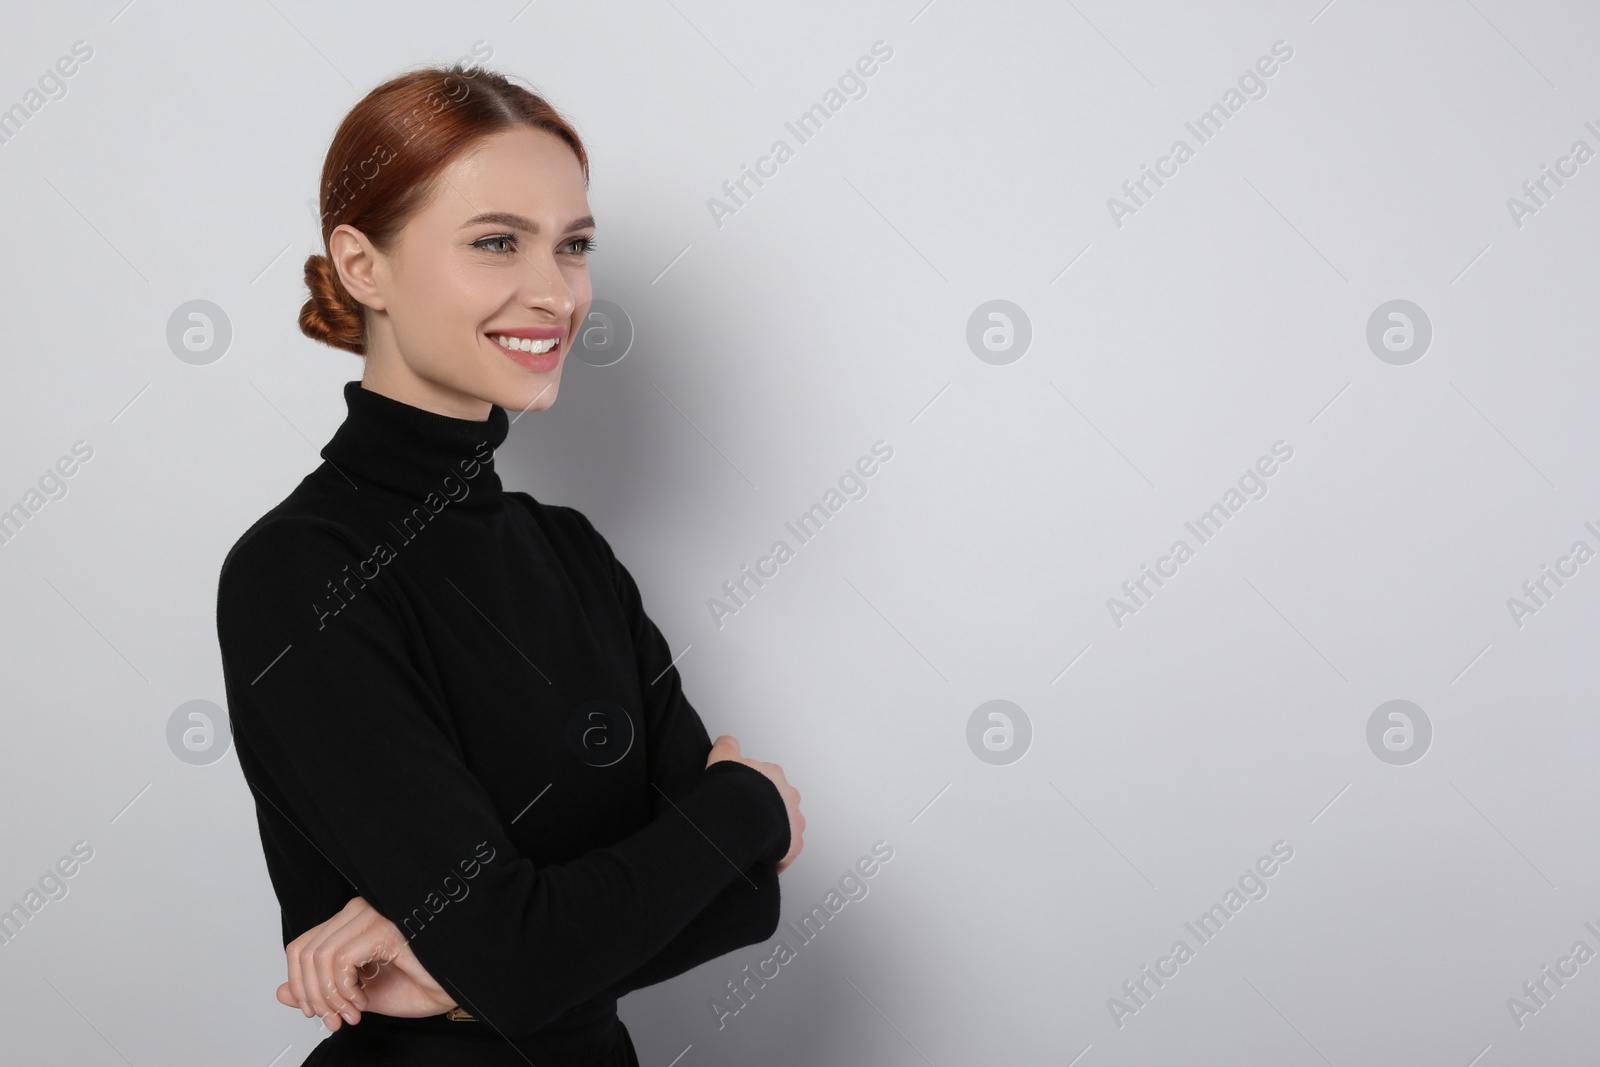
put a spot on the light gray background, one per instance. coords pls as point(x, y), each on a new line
point(771, 352)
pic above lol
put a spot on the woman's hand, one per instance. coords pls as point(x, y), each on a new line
point(358, 961)
point(726, 747)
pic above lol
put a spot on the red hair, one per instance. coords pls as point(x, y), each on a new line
point(383, 162)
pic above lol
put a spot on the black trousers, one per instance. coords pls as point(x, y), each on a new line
point(438, 1042)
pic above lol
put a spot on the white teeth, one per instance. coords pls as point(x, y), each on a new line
point(525, 344)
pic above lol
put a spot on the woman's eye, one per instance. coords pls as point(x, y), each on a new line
point(499, 239)
point(580, 246)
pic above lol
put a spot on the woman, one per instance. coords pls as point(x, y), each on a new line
point(487, 808)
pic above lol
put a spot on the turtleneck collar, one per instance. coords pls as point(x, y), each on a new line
point(413, 452)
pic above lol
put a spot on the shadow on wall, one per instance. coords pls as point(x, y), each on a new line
point(614, 443)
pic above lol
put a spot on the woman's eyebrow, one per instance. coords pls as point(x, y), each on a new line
point(519, 222)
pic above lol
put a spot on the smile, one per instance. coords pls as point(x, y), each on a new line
point(525, 344)
point(538, 355)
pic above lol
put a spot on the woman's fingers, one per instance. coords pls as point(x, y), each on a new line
point(293, 954)
point(314, 989)
point(359, 961)
point(296, 982)
point(311, 985)
point(354, 950)
point(336, 959)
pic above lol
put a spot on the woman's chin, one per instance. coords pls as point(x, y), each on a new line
point(534, 396)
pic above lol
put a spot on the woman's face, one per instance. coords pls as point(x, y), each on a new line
point(500, 249)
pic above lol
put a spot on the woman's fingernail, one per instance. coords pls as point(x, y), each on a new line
point(348, 1016)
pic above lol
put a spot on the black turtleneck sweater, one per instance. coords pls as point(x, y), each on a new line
point(447, 698)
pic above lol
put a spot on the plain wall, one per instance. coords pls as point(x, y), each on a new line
point(1171, 346)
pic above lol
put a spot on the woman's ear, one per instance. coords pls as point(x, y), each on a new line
point(360, 265)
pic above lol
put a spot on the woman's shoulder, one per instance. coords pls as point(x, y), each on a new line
point(567, 528)
point(289, 536)
point(557, 517)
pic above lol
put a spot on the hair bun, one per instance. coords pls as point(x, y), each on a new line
point(331, 315)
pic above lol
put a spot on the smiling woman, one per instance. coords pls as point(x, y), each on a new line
point(436, 718)
point(429, 252)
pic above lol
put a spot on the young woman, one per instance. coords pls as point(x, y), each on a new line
point(487, 808)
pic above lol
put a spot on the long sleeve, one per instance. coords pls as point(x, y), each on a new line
point(747, 910)
point(740, 915)
point(342, 734)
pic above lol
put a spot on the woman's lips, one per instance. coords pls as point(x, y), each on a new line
point(538, 362)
